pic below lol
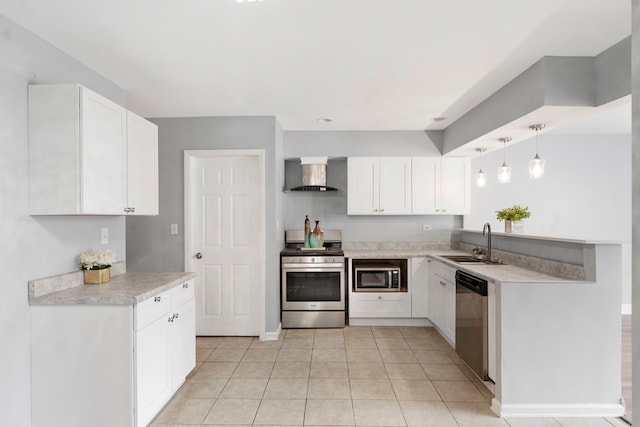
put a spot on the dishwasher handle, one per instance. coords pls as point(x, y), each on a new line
point(473, 283)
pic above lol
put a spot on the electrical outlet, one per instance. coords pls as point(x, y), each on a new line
point(174, 229)
point(104, 235)
point(426, 227)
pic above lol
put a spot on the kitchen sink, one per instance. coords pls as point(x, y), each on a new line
point(468, 259)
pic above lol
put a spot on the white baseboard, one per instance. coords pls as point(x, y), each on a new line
point(557, 410)
point(376, 321)
point(273, 336)
point(626, 308)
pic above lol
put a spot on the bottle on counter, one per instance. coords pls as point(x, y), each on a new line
point(317, 237)
point(307, 231)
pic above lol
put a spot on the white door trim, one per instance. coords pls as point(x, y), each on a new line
point(189, 250)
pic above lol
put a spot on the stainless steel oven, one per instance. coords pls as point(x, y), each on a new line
point(313, 285)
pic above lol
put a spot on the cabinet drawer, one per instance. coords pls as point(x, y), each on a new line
point(182, 293)
point(149, 310)
point(380, 305)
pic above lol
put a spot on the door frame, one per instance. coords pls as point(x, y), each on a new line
point(189, 157)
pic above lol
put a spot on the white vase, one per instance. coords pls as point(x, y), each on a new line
point(517, 227)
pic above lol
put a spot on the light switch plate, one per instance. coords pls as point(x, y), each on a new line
point(174, 229)
point(104, 235)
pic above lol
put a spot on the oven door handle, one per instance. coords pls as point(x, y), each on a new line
point(313, 266)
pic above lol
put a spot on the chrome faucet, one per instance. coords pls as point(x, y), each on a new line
point(486, 230)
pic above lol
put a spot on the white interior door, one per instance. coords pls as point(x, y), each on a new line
point(225, 240)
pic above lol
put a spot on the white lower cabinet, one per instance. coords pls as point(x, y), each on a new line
point(380, 304)
point(420, 278)
point(110, 365)
point(442, 297)
point(165, 348)
point(153, 369)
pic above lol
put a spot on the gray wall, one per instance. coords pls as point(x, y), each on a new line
point(151, 247)
point(331, 208)
point(34, 247)
point(556, 81)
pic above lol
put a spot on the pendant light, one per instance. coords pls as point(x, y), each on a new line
point(536, 165)
point(504, 171)
point(481, 177)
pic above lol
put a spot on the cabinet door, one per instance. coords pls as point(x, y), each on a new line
point(103, 155)
point(183, 342)
point(426, 188)
point(419, 287)
point(436, 300)
point(449, 315)
point(395, 186)
point(455, 186)
point(363, 186)
point(153, 369)
point(142, 166)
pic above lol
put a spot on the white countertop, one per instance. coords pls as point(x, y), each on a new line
point(123, 289)
point(491, 272)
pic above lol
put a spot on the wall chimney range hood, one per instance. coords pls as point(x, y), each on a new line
point(314, 175)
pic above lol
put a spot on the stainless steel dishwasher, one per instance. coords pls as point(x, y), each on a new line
point(472, 322)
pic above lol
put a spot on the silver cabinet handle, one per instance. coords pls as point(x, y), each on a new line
point(381, 210)
point(199, 255)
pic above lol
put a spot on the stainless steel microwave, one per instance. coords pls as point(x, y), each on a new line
point(377, 279)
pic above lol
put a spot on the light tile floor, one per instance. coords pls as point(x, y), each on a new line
point(356, 376)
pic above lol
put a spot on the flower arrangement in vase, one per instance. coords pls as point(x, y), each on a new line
point(97, 266)
point(512, 217)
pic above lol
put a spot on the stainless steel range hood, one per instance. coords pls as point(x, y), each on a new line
point(314, 175)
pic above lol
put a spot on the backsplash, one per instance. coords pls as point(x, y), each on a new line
point(48, 285)
point(554, 268)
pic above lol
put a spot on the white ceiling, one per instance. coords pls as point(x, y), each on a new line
point(366, 64)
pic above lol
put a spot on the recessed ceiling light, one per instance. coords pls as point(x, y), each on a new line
point(324, 120)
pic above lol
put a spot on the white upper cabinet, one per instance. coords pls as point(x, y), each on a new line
point(77, 143)
point(455, 185)
point(78, 154)
point(379, 186)
point(142, 166)
point(425, 180)
point(363, 186)
point(440, 186)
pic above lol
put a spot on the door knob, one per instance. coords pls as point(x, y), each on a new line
point(199, 255)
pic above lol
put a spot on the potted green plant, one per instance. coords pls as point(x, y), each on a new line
point(512, 217)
